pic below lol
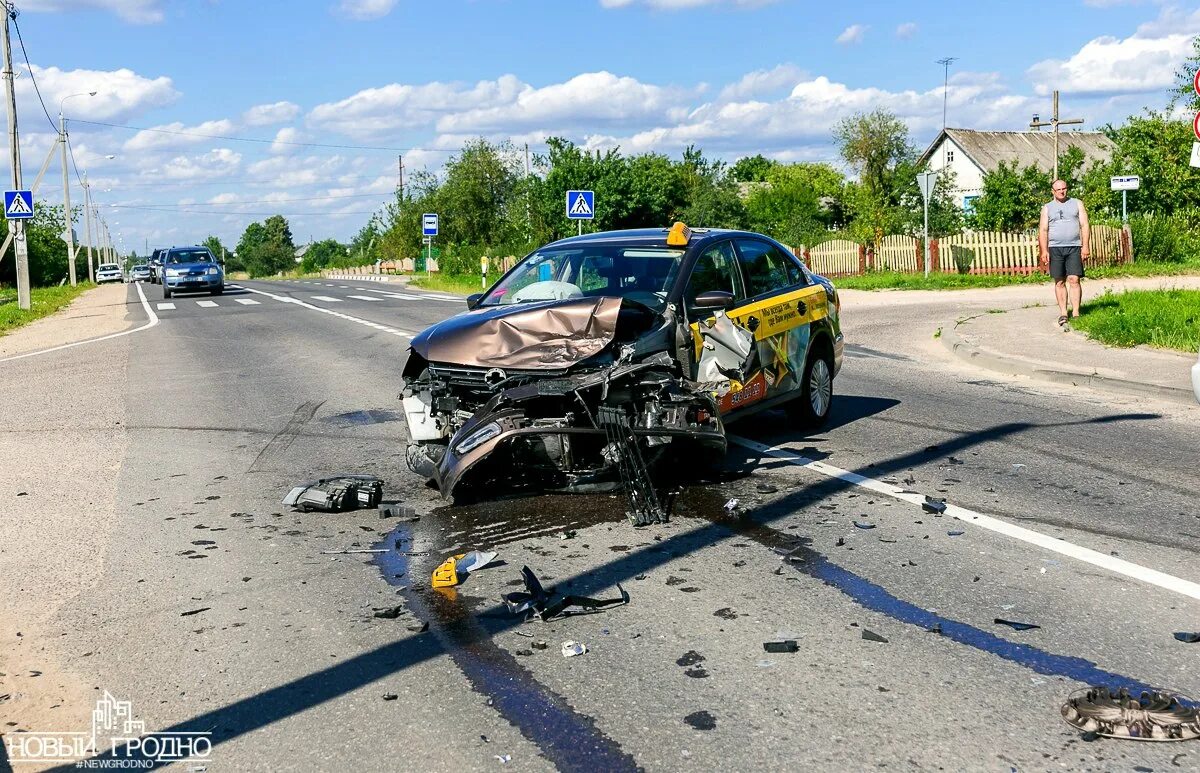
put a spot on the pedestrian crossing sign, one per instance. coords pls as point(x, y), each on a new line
point(581, 205)
point(18, 205)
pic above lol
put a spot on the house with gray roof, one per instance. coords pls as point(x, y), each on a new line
point(970, 154)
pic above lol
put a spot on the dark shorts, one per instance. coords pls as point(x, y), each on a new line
point(1066, 261)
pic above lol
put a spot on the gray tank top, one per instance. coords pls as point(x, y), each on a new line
point(1063, 220)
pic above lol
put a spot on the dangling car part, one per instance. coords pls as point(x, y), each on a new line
point(595, 357)
point(337, 493)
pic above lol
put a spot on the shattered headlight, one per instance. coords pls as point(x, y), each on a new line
point(477, 438)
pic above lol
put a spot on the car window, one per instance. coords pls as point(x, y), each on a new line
point(715, 269)
point(766, 267)
point(190, 256)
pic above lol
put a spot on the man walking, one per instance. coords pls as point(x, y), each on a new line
point(1064, 237)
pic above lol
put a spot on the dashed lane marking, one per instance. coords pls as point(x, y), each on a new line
point(165, 306)
point(246, 301)
point(357, 320)
point(1062, 547)
point(206, 304)
point(326, 299)
point(364, 298)
point(401, 296)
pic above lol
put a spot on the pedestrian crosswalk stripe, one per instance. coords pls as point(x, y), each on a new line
point(246, 301)
point(165, 306)
point(326, 298)
point(364, 298)
point(206, 304)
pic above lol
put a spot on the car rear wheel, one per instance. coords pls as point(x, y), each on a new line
point(813, 406)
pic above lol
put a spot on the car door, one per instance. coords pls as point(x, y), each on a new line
point(779, 309)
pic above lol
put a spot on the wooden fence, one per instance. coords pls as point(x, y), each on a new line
point(975, 252)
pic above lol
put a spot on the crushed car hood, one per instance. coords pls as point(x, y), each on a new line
point(549, 334)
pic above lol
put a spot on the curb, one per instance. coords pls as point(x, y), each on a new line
point(1016, 366)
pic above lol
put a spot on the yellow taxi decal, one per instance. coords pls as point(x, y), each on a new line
point(776, 315)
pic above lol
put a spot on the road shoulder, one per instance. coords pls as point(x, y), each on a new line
point(100, 311)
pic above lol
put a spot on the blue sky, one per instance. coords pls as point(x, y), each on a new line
point(734, 77)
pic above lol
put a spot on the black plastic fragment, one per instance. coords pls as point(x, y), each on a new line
point(955, 533)
point(547, 605)
point(864, 525)
point(1016, 625)
point(931, 505)
point(872, 636)
point(787, 645)
point(644, 507)
point(388, 510)
point(1187, 637)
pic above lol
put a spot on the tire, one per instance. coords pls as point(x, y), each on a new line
point(166, 293)
point(812, 408)
point(217, 291)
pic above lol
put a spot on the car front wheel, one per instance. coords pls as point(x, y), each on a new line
point(166, 292)
point(813, 406)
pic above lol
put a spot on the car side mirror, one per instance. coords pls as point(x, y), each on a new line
point(473, 300)
point(714, 299)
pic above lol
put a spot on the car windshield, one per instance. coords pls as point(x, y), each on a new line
point(109, 267)
point(190, 256)
point(642, 274)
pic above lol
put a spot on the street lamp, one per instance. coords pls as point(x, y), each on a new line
point(67, 219)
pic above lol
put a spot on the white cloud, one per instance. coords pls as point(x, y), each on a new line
point(135, 11)
point(1145, 61)
point(274, 112)
point(906, 30)
point(762, 82)
point(852, 34)
point(216, 163)
point(676, 5)
point(119, 93)
point(364, 10)
point(283, 137)
point(174, 135)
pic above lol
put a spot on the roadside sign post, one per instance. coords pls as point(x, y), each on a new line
point(429, 229)
point(581, 205)
point(1125, 184)
point(483, 267)
point(926, 181)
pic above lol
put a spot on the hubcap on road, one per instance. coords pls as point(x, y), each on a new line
point(820, 387)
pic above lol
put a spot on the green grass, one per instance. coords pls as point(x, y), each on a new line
point(1167, 319)
point(44, 301)
point(448, 283)
point(893, 280)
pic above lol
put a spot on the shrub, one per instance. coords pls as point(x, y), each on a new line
point(1171, 238)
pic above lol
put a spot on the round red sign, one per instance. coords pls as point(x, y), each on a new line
point(1196, 126)
point(1196, 82)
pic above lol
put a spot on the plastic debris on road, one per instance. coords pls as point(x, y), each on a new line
point(1187, 637)
point(731, 506)
point(931, 505)
point(546, 605)
point(787, 645)
point(455, 569)
point(872, 636)
point(389, 510)
point(572, 649)
point(1156, 715)
point(864, 525)
point(337, 493)
point(1016, 625)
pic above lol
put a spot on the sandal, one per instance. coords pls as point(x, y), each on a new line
point(1062, 321)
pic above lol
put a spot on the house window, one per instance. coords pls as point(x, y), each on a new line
point(969, 204)
point(949, 156)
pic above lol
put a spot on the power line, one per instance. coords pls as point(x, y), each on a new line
point(170, 207)
point(254, 139)
point(211, 212)
point(31, 77)
point(275, 181)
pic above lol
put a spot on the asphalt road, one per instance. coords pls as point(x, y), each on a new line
point(203, 422)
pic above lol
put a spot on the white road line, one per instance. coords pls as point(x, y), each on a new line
point(1062, 547)
point(364, 297)
point(165, 306)
point(206, 304)
point(401, 296)
point(332, 313)
point(329, 285)
point(325, 298)
point(442, 297)
point(344, 287)
point(246, 301)
point(151, 323)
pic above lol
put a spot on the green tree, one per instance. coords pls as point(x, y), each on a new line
point(798, 204)
point(1184, 93)
point(47, 250)
point(1157, 148)
point(876, 146)
point(752, 169)
point(215, 247)
point(322, 254)
point(1012, 198)
point(711, 194)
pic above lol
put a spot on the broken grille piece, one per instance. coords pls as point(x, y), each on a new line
point(644, 507)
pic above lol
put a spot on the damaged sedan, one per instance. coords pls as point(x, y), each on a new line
point(598, 357)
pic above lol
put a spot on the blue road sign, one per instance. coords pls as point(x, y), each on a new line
point(581, 205)
point(429, 224)
point(18, 205)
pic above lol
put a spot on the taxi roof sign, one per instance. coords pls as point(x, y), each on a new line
point(679, 235)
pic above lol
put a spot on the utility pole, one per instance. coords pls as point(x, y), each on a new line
point(87, 209)
point(67, 219)
point(527, 170)
point(945, 63)
point(1054, 122)
point(400, 161)
point(14, 149)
